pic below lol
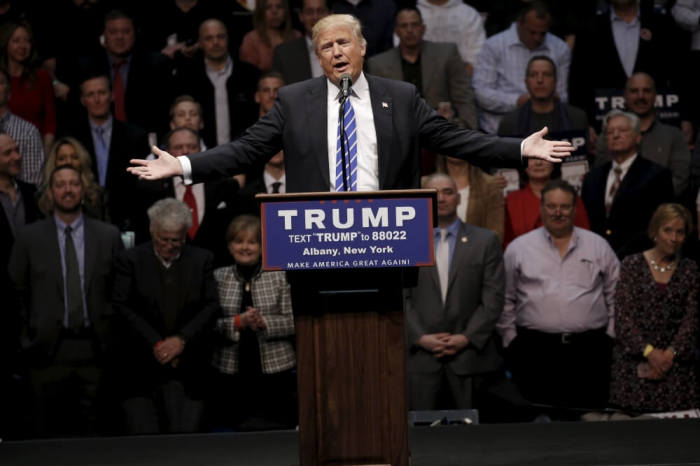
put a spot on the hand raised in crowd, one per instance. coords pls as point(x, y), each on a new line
point(168, 349)
point(252, 319)
point(163, 166)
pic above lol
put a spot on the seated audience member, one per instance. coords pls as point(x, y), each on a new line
point(140, 80)
point(661, 143)
point(452, 311)
point(523, 206)
point(543, 107)
point(456, 22)
point(32, 96)
point(499, 77)
point(223, 85)
point(376, 18)
point(273, 26)
point(211, 203)
point(65, 327)
point(68, 151)
point(621, 195)
point(656, 321)
point(257, 384)
point(272, 179)
point(626, 38)
point(165, 298)
point(111, 144)
point(29, 142)
point(296, 59)
point(558, 316)
point(480, 194)
point(436, 69)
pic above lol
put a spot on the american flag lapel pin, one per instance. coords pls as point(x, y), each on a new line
point(385, 105)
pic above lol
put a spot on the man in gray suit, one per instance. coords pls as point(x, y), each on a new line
point(452, 312)
point(61, 267)
point(436, 69)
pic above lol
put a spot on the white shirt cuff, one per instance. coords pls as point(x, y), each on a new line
point(522, 143)
point(187, 169)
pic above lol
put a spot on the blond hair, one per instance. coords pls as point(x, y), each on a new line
point(338, 21)
point(666, 213)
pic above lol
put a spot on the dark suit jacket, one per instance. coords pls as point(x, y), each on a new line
point(645, 186)
point(138, 304)
point(219, 209)
point(595, 63)
point(475, 297)
point(291, 59)
point(443, 76)
point(36, 271)
point(148, 88)
point(192, 79)
point(127, 141)
point(403, 122)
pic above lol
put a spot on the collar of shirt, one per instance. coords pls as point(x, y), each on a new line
point(166, 264)
point(572, 242)
point(624, 166)
point(615, 18)
point(269, 180)
point(513, 40)
point(125, 64)
point(226, 71)
point(106, 126)
point(367, 150)
point(61, 225)
point(452, 228)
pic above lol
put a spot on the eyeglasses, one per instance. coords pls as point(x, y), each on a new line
point(553, 209)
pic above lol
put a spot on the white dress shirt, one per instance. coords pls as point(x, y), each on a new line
point(316, 69)
point(269, 180)
point(221, 110)
point(197, 192)
point(625, 166)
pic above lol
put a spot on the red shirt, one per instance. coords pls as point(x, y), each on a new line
point(34, 101)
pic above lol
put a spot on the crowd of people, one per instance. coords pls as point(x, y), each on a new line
point(139, 306)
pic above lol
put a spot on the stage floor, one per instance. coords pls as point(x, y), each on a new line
point(661, 442)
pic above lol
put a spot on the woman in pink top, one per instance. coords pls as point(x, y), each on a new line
point(273, 26)
point(31, 95)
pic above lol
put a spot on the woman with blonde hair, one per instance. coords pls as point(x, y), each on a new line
point(656, 319)
point(273, 26)
point(68, 151)
point(481, 198)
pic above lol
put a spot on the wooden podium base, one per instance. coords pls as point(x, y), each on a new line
point(351, 368)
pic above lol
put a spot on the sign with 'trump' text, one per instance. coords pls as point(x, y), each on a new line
point(360, 232)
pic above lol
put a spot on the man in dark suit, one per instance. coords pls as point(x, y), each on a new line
point(18, 200)
point(452, 312)
point(211, 203)
point(621, 195)
point(436, 69)
point(296, 59)
point(110, 143)
point(62, 269)
point(222, 84)
point(140, 80)
point(166, 300)
point(394, 122)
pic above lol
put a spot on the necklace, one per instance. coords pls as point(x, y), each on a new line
point(660, 268)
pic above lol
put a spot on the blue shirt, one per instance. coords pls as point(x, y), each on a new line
point(101, 144)
point(78, 235)
point(626, 36)
point(452, 231)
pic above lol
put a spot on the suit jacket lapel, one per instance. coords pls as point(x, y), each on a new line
point(317, 110)
point(90, 253)
point(427, 70)
point(459, 255)
point(630, 178)
point(54, 257)
point(382, 107)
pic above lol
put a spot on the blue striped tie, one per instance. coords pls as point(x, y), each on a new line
point(350, 151)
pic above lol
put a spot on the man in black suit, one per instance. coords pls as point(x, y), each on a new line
point(394, 122)
point(166, 300)
point(211, 203)
point(62, 268)
point(111, 143)
point(621, 195)
point(140, 80)
point(222, 84)
point(18, 200)
point(296, 59)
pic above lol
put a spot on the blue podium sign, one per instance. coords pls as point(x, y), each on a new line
point(347, 232)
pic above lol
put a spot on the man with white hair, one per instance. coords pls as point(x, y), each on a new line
point(393, 123)
point(166, 300)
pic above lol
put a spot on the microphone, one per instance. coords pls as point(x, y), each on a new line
point(345, 84)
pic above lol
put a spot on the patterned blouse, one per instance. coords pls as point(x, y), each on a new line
point(271, 296)
point(661, 316)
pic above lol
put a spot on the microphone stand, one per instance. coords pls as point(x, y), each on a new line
point(343, 138)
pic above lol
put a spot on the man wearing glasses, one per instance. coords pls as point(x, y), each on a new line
point(558, 316)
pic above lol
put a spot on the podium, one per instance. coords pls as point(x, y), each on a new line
point(348, 257)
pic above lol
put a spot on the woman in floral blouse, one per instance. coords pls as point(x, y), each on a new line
point(656, 321)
